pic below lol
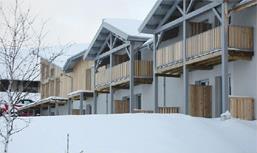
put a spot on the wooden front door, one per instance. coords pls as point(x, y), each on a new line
point(121, 106)
point(200, 103)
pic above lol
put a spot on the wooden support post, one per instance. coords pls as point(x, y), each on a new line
point(95, 92)
point(107, 104)
point(111, 100)
point(56, 109)
point(69, 106)
point(81, 105)
point(132, 74)
point(49, 110)
point(95, 101)
point(185, 69)
point(155, 76)
point(224, 65)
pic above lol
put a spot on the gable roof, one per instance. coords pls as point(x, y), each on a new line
point(71, 62)
point(67, 53)
point(126, 29)
point(163, 7)
point(155, 16)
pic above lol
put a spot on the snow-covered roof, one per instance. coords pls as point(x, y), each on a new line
point(71, 62)
point(67, 52)
point(52, 99)
point(88, 93)
point(128, 26)
point(127, 29)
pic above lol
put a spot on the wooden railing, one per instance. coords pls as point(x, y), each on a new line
point(170, 54)
point(168, 110)
point(143, 69)
point(203, 43)
point(242, 107)
point(239, 38)
point(102, 77)
point(120, 71)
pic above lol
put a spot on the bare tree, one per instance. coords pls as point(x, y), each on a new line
point(21, 44)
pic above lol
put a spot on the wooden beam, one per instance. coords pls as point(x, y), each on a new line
point(188, 16)
point(113, 51)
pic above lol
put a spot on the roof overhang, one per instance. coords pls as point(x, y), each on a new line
point(103, 33)
point(72, 61)
point(155, 16)
point(49, 100)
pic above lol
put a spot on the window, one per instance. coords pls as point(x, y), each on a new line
point(138, 101)
point(202, 82)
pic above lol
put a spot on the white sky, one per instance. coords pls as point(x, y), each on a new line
point(78, 20)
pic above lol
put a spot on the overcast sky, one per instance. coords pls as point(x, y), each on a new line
point(78, 20)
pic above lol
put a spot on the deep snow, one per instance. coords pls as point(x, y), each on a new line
point(136, 133)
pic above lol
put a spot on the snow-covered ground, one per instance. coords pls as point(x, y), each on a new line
point(136, 133)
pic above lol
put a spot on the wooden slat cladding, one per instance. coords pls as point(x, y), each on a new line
point(102, 77)
point(168, 110)
point(169, 54)
point(143, 69)
point(242, 107)
point(197, 27)
point(82, 75)
point(120, 71)
point(200, 104)
point(240, 38)
point(203, 43)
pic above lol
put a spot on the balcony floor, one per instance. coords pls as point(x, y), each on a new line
point(123, 84)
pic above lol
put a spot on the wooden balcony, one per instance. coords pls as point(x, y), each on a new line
point(204, 50)
point(120, 75)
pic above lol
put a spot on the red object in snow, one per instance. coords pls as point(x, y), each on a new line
point(4, 108)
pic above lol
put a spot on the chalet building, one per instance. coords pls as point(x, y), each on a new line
point(80, 96)
point(61, 87)
point(206, 48)
point(122, 67)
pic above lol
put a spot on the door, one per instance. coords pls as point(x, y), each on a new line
point(122, 106)
point(200, 104)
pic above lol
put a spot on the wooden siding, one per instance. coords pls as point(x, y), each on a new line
point(49, 79)
point(242, 107)
point(80, 76)
point(54, 82)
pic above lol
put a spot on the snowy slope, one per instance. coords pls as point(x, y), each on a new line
point(137, 133)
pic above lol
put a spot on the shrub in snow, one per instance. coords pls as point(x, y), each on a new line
point(226, 116)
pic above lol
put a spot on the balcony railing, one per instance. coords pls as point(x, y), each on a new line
point(121, 72)
point(170, 54)
point(240, 38)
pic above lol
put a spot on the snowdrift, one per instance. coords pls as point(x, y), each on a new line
point(136, 133)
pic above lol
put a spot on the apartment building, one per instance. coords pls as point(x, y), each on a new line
point(208, 47)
